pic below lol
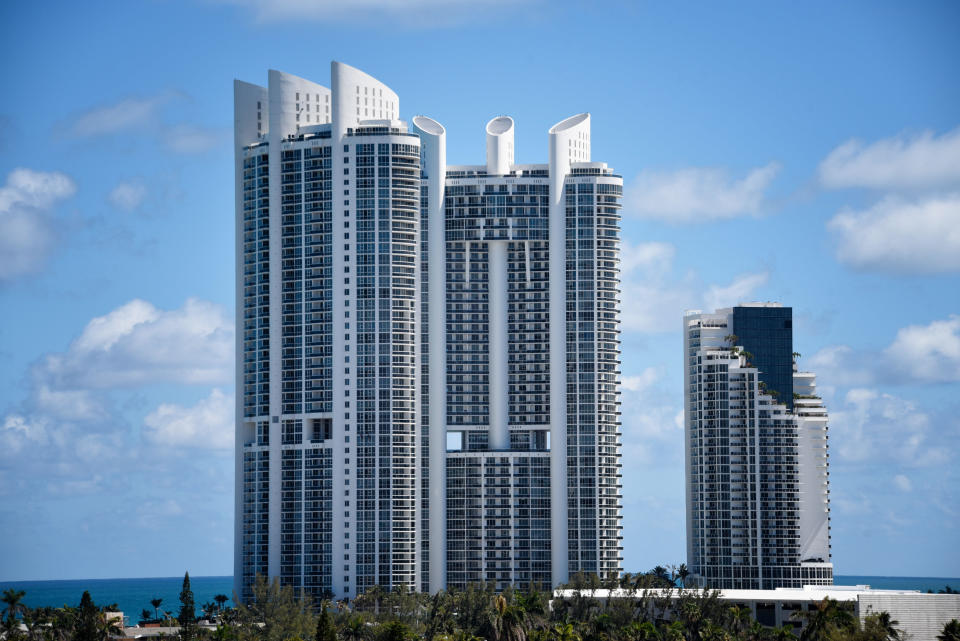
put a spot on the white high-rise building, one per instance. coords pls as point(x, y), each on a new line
point(403, 324)
point(758, 509)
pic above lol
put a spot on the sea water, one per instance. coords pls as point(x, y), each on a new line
point(134, 595)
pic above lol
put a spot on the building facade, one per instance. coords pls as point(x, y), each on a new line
point(758, 510)
point(428, 361)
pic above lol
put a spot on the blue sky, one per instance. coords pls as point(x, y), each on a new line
point(805, 153)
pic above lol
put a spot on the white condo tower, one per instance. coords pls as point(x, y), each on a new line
point(403, 326)
point(758, 497)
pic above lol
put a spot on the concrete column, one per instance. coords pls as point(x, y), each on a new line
point(433, 144)
point(498, 285)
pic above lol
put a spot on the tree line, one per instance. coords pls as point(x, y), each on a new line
point(653, 608)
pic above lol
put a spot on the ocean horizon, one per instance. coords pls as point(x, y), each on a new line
point(132, 595)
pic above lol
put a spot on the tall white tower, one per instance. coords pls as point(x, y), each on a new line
point(756, 453)
point(419, 343)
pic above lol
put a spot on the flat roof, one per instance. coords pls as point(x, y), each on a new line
point(806, 593)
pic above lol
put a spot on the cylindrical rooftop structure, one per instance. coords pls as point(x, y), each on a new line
point(499, 145)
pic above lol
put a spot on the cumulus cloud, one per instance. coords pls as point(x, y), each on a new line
point(18, 432)
point(653, 300)
point(189, 139)
point(904, 161)
point(895, 235)
point(146, 115)
point(652, 424)
point(698, 194)
point(207, 424)
point(880, 427)
point(26, 232)
point(120, 116)
point(127, 195)
point(740, 289)
point(928, 352)
point(640, 382)
point(918, 354)
point(137, 344)
point(434, 11)
point(843, 365)
point(903, 483)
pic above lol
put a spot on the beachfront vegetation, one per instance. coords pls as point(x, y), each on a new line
point(654, 608)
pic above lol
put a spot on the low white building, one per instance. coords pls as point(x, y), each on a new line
point(921, 616)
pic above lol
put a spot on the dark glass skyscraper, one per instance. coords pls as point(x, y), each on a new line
point(767, 333)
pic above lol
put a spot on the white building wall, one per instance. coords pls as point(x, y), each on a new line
point(248, 100)
point(812, 468)
point(920, 616)
point(562, 135)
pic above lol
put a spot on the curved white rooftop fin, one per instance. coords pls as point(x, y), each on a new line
point(573, 134)
point(295, 102)
point(500, 145)
point(359, 96)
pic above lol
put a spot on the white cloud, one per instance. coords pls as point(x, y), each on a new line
point(894, 235)
point(928, 352)
point(153, 513)
point(34, 189)
point(904, 161)
point(69, 405)
point(736, 292)
point(654, 301)
point(842, 365)
point(120, 116)
point(19, 432)
point(26, 233)
point(877, 427)
point(431, 11)
point(641, 382)
point(146, 116)
point(137, 344)
point(918, 354)
point(903, 483)
point(189, 139)
point(698, 194)
point(127, 195)
point(652, 424)
point(209, 423)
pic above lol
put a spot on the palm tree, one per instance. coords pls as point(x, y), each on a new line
point(508, 622)
point(155, 602)
point(783, 633)
point(826, 617)
point(755, 632)
point(564, 632)
point(739, 619)
point(144, 615)
point(220, 599)
point(682, 574)
point(674, 632)
point(951, 631)
point(109, 626)
point(645, 631)
point(354, 629)
point(888, 625)
point(12, 598)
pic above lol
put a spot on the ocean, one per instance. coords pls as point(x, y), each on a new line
point(131, 595)
point(134, 595)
